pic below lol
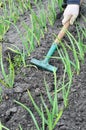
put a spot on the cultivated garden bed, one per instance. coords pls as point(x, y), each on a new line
point(32, 98)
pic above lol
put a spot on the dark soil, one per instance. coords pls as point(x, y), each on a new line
point(11, 114)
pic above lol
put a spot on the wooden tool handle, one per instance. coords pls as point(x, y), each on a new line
point(62, 32)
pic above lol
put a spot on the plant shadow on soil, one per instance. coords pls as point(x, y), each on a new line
point(11, 114)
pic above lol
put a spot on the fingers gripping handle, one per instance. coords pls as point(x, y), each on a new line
point(62, 32)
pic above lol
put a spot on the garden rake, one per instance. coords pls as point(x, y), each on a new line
point(45, 62)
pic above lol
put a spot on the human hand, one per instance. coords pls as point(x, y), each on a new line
point(71, 13)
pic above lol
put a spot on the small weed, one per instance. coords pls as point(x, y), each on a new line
point(17, 61)
point(20, 53)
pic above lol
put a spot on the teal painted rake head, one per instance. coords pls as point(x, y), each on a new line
point(45, 63)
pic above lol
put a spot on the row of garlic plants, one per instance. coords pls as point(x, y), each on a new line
point(11, 10)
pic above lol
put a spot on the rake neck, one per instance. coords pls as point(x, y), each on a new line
point(50, 52)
